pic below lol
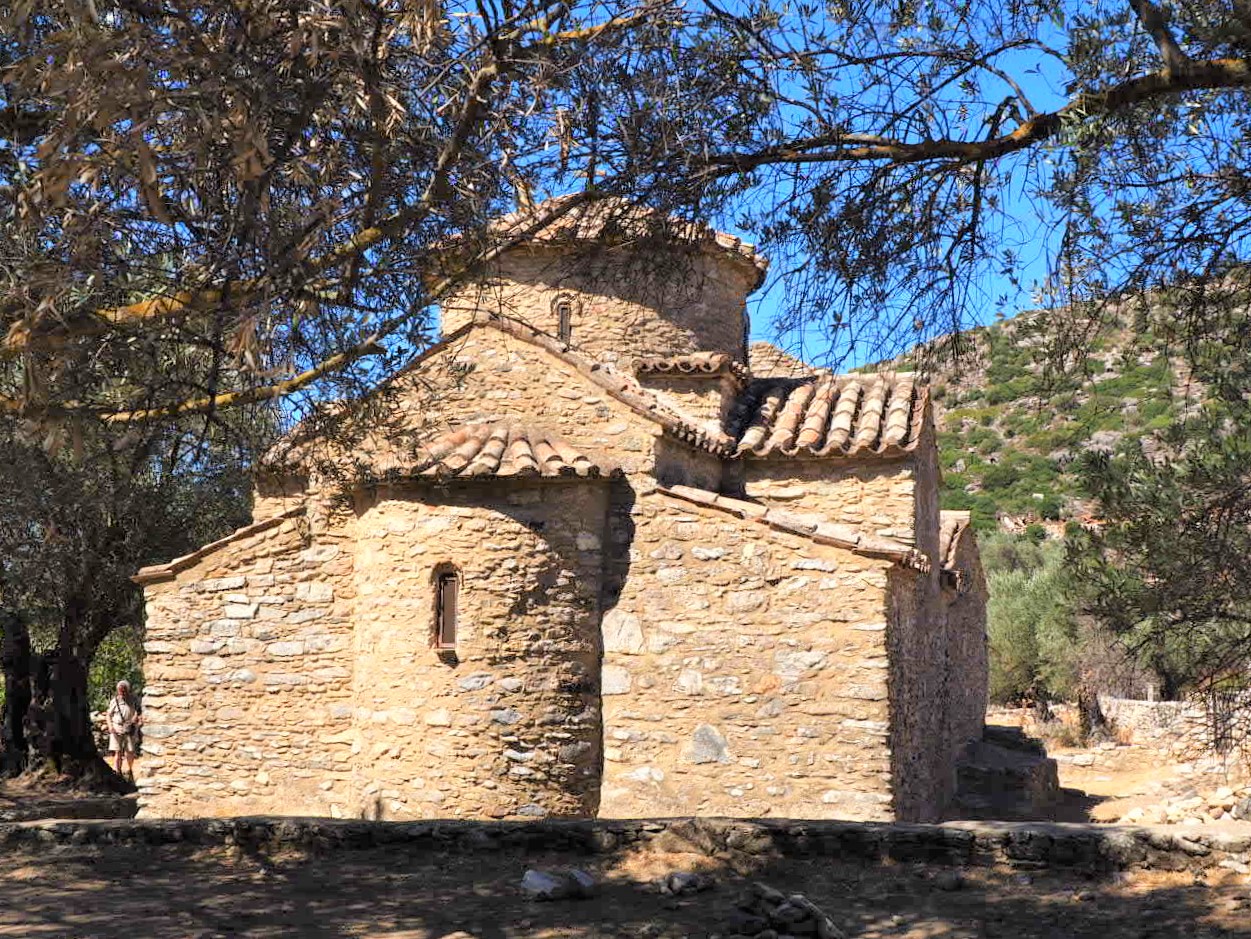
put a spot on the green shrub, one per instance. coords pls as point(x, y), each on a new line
point(119, 657)
point(1033, 630)
point(1002, 552)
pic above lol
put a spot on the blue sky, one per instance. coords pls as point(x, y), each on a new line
point(1042, 80)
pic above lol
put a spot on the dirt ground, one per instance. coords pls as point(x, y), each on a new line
point(400, 893)
point(26, 799)
point(396, 893)
point(1131, 777)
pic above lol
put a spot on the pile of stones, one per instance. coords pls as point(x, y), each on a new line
point(682, 883)
point(765, 913)
point(1228, 802)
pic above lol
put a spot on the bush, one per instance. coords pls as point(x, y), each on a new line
point(1002, 553)
point(119, 657)
point(1033, 628)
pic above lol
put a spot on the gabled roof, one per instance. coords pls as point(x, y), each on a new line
point(500, 449)
point(830, 415)
point(623, 388)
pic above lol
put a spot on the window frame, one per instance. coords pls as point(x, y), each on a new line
point(444, 579)
point(564, 307)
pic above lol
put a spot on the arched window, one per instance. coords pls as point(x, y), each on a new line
point(563, 307)
point(446, 607)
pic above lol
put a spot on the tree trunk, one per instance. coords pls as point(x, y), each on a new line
point(58, 723)
point(1170, 685)
point(15, 658)
point(1092, 723)
point(58, 719)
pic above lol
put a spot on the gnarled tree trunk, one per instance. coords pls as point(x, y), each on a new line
point(58, 723)
point(47, 708)
point(15, 659)
point(1092, 723)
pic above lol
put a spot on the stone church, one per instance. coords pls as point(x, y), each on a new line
point(596, 556)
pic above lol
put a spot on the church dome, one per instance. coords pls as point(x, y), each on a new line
point(617, 280)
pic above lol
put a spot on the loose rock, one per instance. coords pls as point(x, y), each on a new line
point(766, 913)
point(572, 884)
point(680, 883)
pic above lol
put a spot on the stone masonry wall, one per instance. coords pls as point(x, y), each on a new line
point(707, 398)
point(509, 726)
point(744, 669)
point(877, 497)
point(744, 843)
point(679, 465)
point(273, 495)
point(490, 376)
point(247, 664)
point(968, 664)
point(921, 694)
point(744, 673)
point(626, 304)
point(1184, 730)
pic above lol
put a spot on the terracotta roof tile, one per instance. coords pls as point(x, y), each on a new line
point(501, 449)
point(615, 220)
point(952, 525)
point(829, 415)
point(697, 363)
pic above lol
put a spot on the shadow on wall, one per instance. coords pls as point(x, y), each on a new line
point(620, 532)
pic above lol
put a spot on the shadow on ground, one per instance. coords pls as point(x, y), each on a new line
point(402, 893)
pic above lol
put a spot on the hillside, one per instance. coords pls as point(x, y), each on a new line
point(1009, 428)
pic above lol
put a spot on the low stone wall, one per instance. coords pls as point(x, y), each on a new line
point(739, 843)
point(1184, 729)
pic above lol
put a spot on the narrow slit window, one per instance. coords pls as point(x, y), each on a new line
point(447, 609)
point(564, 320)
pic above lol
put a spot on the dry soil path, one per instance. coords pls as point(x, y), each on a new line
point(395, 893)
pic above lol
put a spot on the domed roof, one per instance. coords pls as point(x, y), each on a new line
point(573, 219)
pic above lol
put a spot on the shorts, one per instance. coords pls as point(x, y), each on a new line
point(122, 743)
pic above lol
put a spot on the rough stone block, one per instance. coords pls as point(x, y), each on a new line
point(615, 680)
point(623, 633)
point(707, 745)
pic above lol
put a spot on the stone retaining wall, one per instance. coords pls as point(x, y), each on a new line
point(739, 843)
point(1184, 729)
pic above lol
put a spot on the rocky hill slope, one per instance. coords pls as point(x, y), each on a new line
point(1010, 427)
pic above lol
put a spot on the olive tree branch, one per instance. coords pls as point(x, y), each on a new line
point(1153, 21)
point(1213, 74)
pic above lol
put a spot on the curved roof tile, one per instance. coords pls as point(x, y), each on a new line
point(829, 415)
point(952, 524)
point(612, 219)
point(696, 363)
point(499, 449)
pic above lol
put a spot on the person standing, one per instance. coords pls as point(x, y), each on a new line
point(123, 723)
